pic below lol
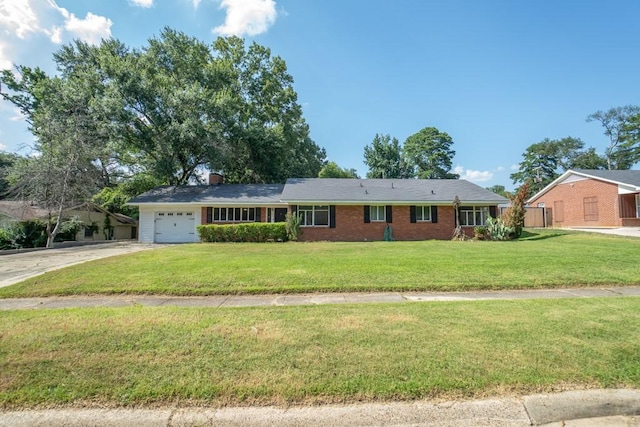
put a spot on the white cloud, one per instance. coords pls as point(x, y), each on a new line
point(91, 29)
point(18, 17)
point(250, 17)
point(142, 3)
point(3, 147)
point(514, 167)
point(17, 116)
point(5, 62)
point(471, 175)
point(26, 18)
point(500, 169)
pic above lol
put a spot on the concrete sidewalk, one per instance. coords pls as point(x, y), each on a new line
point(573, 408)
point(306, 299)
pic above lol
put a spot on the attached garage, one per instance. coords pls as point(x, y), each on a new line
point(174, 226)
point(172, 214)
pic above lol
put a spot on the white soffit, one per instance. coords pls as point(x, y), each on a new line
point(626, 189)
point(573, 178)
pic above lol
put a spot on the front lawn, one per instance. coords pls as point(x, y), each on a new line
point(315, 354)
point(547, 258)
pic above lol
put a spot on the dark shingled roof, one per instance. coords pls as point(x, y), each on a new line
point(213, 194)
point(336, 190)
point(631, 177)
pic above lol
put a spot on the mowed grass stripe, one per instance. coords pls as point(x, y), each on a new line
point(315, 354)
point(546, 258)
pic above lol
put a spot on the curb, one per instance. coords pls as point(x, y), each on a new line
point(577, 408)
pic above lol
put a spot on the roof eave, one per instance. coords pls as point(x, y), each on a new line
point(390, 202)
point(209, 203)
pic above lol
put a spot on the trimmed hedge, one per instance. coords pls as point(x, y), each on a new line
point(249, 232)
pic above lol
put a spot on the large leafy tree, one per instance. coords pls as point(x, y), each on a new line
point(429, 154)
point(332, 170)
point(168, 102)
point(178, 106)
point(499, 189)
point(631, 135)
point(620, 125)
point(384, 158)
point(544, 161)
point(268, 138)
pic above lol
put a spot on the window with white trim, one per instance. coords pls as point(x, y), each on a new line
point(473, 215)
point(234, 214)
point(377, 213)
point(423, 213)
point(314, 216)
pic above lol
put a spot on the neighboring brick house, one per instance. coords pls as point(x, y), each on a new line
point(330, 209)
point(592, 198)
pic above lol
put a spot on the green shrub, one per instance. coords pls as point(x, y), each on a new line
point(249, 232)
point(481, 233)
point(25, 234)
point(498, 230)
point(69, 229)
point(6, 242)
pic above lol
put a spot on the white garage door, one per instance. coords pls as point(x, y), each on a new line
point(175, 227)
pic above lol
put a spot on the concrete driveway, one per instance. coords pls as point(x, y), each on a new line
point(620, 231)
point(19, 266)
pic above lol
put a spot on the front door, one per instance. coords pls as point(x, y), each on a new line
point(280, 215)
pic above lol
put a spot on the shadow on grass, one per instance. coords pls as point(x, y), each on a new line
point(532, 235)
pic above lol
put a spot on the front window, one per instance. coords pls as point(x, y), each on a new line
point(377, 213)
point(313, 215)
point(234, 214)
point(423, 213)
point(473, 215)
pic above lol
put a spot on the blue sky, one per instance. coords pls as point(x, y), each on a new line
point(497, 76)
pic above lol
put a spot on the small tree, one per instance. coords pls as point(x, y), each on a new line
point(293, 226)
point(458, 234)
point(514, 215)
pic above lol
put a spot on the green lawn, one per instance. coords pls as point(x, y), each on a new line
point(547, 258)
point(315, 354)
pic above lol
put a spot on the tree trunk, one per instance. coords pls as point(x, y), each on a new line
point(51, 234)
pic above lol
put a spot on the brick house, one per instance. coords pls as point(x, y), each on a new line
point(329, 209)
point(592, 198)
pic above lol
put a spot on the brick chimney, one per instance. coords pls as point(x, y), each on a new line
point(215, 179)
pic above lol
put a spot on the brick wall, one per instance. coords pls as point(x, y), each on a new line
point(572, 196)
point(350, 226)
